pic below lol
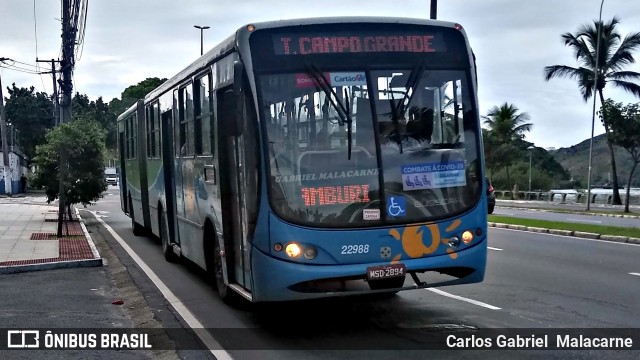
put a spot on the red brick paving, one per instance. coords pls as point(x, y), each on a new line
point(72, 247)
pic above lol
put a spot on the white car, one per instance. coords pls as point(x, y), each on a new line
point(112, 179)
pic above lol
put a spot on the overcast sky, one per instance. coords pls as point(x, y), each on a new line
point(127, 41)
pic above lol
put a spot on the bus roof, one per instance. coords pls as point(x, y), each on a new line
point(348, 20)
point(230, 43)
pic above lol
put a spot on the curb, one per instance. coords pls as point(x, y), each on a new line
point(577, 234)
point(52, 265)
point(93, 247)
point(95, 262)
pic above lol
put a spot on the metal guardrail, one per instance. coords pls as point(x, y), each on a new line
point(564, 196)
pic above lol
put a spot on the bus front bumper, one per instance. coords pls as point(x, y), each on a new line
point(278, 280)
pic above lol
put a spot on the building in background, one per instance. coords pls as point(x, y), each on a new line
point(18, 164)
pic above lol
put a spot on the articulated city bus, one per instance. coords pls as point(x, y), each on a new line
point(312, 158)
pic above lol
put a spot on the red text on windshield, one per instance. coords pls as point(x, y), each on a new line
point(331, 195)
point(357, 44)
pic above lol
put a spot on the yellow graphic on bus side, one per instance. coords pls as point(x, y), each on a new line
point(412, 239)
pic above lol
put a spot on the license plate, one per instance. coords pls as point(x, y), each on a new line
point(386, 271)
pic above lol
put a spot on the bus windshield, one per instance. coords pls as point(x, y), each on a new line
point(334, 137)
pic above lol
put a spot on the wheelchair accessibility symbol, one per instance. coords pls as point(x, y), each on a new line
point(396, 206)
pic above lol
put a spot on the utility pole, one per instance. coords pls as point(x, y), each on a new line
point(56, 103)
point(5, 144)
point(68, 43)
point(434, 9)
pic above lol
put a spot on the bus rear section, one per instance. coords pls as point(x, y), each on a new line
point(373, 165)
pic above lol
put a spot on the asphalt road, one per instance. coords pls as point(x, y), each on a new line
point(532, 281)
point(567, 217)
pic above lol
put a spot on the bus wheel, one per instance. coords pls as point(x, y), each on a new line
point(138, 230)
point(167, 248)
point(227, 295)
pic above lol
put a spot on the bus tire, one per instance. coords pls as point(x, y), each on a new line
point(227, 295)
point(167, 248)
point(138, 230)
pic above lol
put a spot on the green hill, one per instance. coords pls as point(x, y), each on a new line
point(576, 160)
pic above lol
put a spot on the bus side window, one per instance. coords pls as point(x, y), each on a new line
point(149, 128)
point(134, 136)
point(177, 142)
point(184, 123)
point(187, 122)
point(203, 115)
point(157, 138)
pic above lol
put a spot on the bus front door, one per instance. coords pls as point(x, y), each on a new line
point(123, 170)
point(232, 195)
point(168, 171)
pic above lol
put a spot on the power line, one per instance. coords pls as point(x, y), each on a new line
point(24, 63)
point(18, 68)
point(82, 27)
point(35, 32)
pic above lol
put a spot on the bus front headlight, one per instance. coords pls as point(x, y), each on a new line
point(293, 250)
point(467, 237)
point(310, 252)
point(454, 241)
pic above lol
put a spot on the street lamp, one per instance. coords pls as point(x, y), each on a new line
point(593, 112)
point(530, 148)
point(202, 28)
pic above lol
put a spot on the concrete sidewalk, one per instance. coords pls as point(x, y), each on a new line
point(28, 240)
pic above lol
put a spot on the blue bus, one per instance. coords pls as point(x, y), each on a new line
point(314, 158)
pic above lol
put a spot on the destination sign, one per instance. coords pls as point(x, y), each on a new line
point(305, 44)
point(331, 195)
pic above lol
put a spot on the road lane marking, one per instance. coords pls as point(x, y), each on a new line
point(178, 305)
point(493, 248)
point(587, 221)
point(471, 301)
point(636, 274)
point(568, 237)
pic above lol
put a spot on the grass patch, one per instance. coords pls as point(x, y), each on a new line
point(599, 229)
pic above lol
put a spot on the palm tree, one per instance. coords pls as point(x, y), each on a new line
point(506, 125)
point(614, 55)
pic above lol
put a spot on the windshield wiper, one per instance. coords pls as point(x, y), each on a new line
point(412, 81)
point(349, 122)
point(343, 113)
point(399, 108)
point(395, 119)
point(328, 91)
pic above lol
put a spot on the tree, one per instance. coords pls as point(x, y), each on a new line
point(614, 55)
point(141, 89)
point(133, 93)
point(32, 114)
point(84, 180)
point(99, 112)
point(624, 125)
point(506, 127)
point(108, 117)
point(491, 153)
